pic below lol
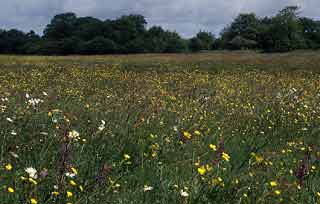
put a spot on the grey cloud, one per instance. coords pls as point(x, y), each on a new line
point(184, 16)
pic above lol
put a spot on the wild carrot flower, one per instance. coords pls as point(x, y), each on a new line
point(147, 188)
point(184, 193)
point(32, 172)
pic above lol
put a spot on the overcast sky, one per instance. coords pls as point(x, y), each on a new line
point(186, 17)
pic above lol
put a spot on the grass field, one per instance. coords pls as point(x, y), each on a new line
point(221, 127)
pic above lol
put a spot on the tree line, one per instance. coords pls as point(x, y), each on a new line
point(69, 34)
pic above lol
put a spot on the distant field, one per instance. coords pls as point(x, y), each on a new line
point(220, 127)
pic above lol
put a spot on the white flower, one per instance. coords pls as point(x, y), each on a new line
point(70, 175)
point(184, 193)
point(27, 96)
point(32, 172)
point(44, 93)
point(10, 120)
point(73, 134)
point(147, 188)
point(102, 126)
point(13, 132)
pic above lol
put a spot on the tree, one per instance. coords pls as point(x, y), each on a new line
point(202, 41)
point(245, 27)
point(286, 30)
point(61, 26)
point(311, 32)
point(128, 28)
point(175, 43)
point(98, 45)
point(86, 28)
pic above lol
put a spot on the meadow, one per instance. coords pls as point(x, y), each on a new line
point(220, 127)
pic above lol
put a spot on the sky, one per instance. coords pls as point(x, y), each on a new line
point(186, 17)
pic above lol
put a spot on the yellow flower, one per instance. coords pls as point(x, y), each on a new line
point(197, 133)
point(34, 182)
point(8, 167)
point(72, 183)
point(10, 190)
point(202, 170)
point(55, 193)
point(277, 192)
point(273, 184)
point(81, 188)
point(49, 114)
point(126, 157)
point(33, 201)
point(74, 170)
point(213, 147)
point(69, 194)
point(187, 135)
point(318, 194)
point(259, 159)
point(225, 156)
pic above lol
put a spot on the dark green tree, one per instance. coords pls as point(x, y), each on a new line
point(202, 41)
point(61, 26)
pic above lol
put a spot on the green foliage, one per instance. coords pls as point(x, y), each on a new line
point(203, 41)
point(68, 34)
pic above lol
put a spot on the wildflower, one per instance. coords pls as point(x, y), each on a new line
point(70, 175)
point(184, 193)
point(273, 184)
point(318, 194)
point(55, 193)
point(10, 120)
point(213, 147)
point(225, 156)
point(102, 126)
point(10, 190)
point(72, 183)
point(277, 192)
point(33, 201)
point(147, 188)
point(73, 134)
point(32, 172)
point(187, 135)
point(126, 157)
point(34, 182)
point(81, 188)
point(202, 170)
point(69, 194)
point(74, 170)
point(197, 132)
point(8, 167)
point(259, 159)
